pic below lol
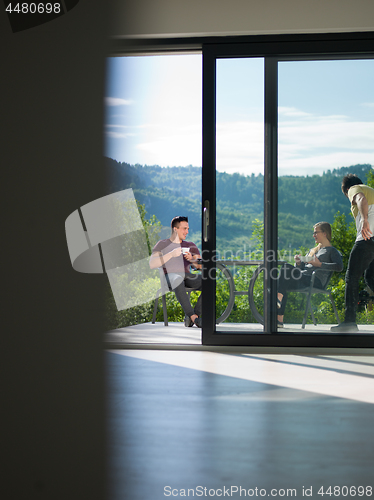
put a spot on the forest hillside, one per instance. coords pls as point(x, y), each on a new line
point(302, 201)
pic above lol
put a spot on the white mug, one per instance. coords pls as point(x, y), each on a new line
point(306, 258)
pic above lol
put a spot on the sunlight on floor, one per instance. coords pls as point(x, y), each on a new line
point(348, 377)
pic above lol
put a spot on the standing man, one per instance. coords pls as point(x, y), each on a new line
point(361, 259)
point(176, 256)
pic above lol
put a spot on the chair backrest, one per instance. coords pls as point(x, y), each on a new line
point(164, 284)
point(315, 273)
point(324, 287)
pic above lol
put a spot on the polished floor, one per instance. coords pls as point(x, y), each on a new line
point(195, 423)
point(148, 335)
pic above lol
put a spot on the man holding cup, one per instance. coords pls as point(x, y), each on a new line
point(176, 256)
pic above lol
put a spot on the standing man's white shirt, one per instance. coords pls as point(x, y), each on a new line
point(368, 192)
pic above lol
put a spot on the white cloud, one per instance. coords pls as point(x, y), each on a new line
point(327, 132)
point(292, 112)
point(308, 144)
point(323, 143)
point(240, 147)
point(134, 127)
point(117, 135)
point(116, 126)
point(117, 101)
point(113, 134)
point(317, 164)
point(168, 147)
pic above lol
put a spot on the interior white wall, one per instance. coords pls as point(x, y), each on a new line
point(167, 18)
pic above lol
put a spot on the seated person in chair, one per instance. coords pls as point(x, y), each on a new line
point(323, 257)
point(176, 255)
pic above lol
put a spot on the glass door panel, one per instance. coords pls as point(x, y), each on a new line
point(239, 193)
point(325, 130)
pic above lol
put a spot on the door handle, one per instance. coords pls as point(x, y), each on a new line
point(206, 221)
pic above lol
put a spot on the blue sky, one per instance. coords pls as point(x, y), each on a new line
point(154, 108)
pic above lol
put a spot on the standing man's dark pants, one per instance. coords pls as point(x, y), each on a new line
point(361, 262)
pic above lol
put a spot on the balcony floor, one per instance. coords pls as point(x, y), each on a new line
point(177, 336)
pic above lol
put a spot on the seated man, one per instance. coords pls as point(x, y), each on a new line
point(176, 256)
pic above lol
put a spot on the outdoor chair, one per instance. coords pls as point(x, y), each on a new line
point(309, 291)
point(163, 290)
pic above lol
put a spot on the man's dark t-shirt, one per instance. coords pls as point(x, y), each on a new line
point(179, 264)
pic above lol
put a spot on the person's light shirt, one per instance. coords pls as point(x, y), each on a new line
point(369, 195)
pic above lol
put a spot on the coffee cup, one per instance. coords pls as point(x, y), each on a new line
point(185, 250)
point(305, 258)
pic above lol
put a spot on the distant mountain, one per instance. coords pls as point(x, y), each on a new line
point(171, 191)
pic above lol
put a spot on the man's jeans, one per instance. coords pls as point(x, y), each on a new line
point(361, 261)
point(191, 281)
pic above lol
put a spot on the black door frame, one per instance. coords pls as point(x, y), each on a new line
point(273, 50)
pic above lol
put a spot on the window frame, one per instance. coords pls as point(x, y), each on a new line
point(274, 48)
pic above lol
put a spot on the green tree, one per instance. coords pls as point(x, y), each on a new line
point(370, 178)
point(152, 226)
point(143, 312)
point(343, 238)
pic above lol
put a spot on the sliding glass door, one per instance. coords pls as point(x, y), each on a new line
point(325, 130)
point(239, 189)
point(315, 112)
